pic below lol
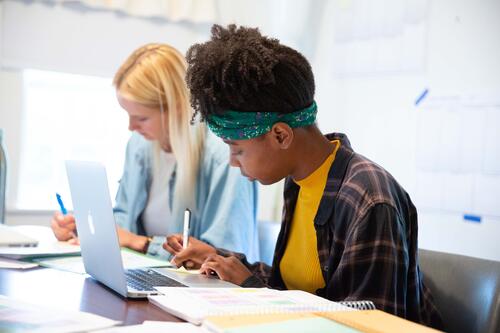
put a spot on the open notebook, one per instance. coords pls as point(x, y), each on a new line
point(196, 304)
point(248, 310)
point(370, 321)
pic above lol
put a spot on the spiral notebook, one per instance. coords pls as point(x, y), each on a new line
point(196, 304)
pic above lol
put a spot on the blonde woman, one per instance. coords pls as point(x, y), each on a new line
point(171, 165)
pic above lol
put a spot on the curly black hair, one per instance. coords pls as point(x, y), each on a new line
point(239, 69)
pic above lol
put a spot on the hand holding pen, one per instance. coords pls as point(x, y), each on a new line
point(185, 231)
point(63, 224)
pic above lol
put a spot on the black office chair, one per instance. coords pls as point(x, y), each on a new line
point(466, 291)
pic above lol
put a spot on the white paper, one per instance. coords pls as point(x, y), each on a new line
point(471, 139)
point(72, 264)
point(487, 196)
point(430, 122)
point(449, 144)
point(384, 37)
point(457, 192)
point(429, 190)
point(136, 260)
point(16, 264)
point(156, 327)
point(491, 160)
point(130, 260)
point(458, 155)
point(182, 269)
point(21, 317)
point(194, 304)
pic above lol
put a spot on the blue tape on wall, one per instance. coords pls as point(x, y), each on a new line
point(472, 218)
point(421, 97)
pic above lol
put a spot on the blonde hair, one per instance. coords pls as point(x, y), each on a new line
point(154, 76)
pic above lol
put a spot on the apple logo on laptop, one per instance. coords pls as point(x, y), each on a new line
point(91, 223)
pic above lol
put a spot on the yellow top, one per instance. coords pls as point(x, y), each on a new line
point(299, 266)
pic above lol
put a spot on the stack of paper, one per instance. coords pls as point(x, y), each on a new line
point(16, 264)
point(156, 327)
point(16, 316)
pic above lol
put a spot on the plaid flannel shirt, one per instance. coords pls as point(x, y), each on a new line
point(366, 229)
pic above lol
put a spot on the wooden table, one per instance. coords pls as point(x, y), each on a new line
point(49, 287)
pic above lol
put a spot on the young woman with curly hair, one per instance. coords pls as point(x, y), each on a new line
point(349, 230)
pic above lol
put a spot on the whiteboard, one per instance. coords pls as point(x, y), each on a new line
point(416, 87)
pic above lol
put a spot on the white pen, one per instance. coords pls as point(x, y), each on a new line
point(185, 235)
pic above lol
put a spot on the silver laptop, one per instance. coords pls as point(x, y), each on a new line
point(9, 237)
point(99, 244)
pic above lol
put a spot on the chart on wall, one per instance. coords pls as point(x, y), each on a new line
point(458, 156)
point(379, 37)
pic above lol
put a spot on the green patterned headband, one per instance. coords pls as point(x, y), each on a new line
point(239, 125)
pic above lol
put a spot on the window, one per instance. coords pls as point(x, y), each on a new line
point(67, 116)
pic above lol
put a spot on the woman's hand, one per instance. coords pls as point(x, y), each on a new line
point(227, 268)
point(132, 241)
point(64, 227)
point(191, 257)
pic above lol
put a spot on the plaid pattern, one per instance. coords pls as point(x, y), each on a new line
point(366, 228)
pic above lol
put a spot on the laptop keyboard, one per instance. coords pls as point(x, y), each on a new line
point(146, 279)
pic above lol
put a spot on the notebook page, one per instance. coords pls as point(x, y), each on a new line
point(275, 323)
point(194, 304)
point(300, 325)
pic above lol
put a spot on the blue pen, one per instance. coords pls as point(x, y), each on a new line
point(64, 211)
point(61, 204)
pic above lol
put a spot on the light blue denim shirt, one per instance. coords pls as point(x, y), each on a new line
point(226, 214)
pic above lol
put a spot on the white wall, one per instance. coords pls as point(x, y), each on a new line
point(11, 116)
point(57, 38)
point(92, 42)
point(24, 217)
